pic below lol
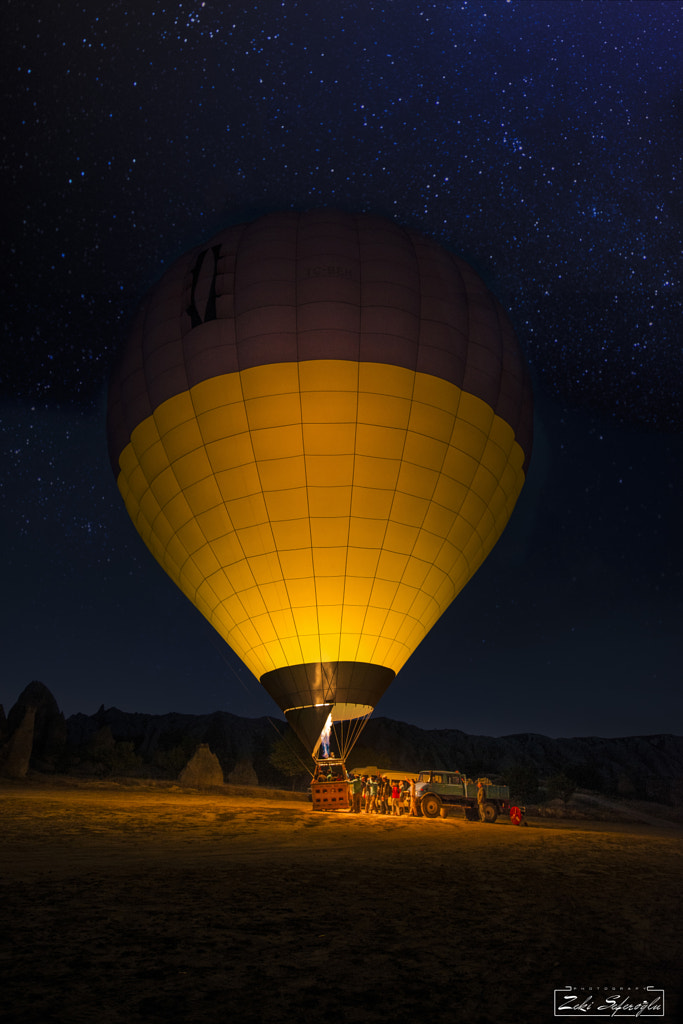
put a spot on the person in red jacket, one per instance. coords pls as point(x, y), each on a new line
point(396, 798)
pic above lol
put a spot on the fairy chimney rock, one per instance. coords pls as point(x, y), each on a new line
point(202, 770)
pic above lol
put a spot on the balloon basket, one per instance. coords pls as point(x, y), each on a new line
point(330, 787)
point(330, 796)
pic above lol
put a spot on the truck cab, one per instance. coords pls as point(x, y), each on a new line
point(437, 789)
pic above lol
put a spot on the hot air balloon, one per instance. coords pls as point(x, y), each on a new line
point(320, 426)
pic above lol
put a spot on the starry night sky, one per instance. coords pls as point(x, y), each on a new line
point(542, 141)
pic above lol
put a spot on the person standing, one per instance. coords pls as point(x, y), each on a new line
point(388, 789)
point(372, 795)
point(481, 797)
point(382, 795)
point(413, 800)
point(405, 796)
point(355, 786)
point(396, 798)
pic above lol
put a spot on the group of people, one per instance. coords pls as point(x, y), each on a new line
point(378, 794)
point(332, 773)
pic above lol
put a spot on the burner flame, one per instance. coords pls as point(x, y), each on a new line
point(325, 737)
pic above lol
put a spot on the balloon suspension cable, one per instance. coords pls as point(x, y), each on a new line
point(220, 647)
point(291, 749)
point(343, 736)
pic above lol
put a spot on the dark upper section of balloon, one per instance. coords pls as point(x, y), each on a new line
point(332, 682)
point(308, 724)
point(318, 285)
point(312, 689)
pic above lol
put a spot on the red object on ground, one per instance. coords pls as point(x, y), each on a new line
point(515, 815)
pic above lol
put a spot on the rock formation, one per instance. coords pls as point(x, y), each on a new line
point(233, 740)
point(243, 774)
point(49, 737)
point(117, 742)
point(202, 770)
point(15, 757)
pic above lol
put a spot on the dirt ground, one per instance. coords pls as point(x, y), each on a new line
point(135, 904)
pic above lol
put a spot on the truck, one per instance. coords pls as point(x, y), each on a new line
point(436, 791)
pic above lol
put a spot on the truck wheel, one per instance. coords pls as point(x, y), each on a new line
point(430, 806)
point(490, 813)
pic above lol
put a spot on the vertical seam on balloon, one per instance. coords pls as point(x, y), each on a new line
point(473, 566)
point(468, 306)
point(408, 238)
point(208, 543)
point(303, 446)
point(355, 441)
point(191, 396)
point(361, 308)
point(189, 558)
point(258, 474)
point(407, 614)
point(425, 628)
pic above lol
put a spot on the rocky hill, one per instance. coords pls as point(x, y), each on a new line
point(36, 736)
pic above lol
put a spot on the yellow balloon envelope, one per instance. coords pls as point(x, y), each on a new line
point(320, 426)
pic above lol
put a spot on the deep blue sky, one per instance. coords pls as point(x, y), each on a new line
point(542, 141)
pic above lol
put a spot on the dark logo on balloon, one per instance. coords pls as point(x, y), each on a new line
point(329, 270)
point(196, 313)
